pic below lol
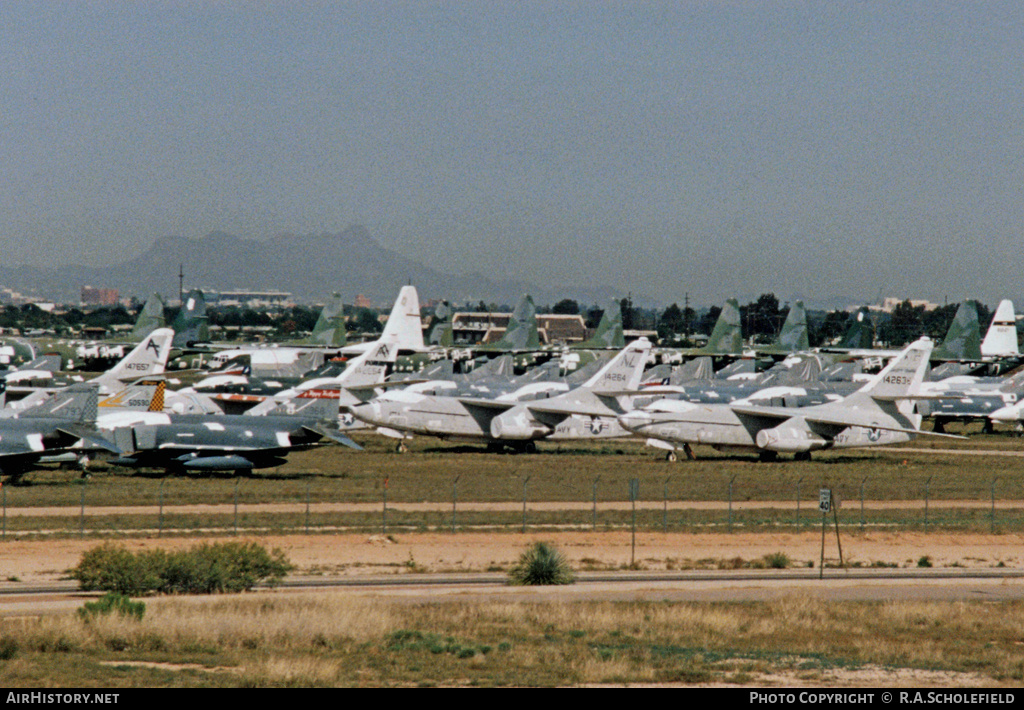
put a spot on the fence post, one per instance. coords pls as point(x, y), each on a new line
point(992, 527)
point(525, 481)
point(455, 495)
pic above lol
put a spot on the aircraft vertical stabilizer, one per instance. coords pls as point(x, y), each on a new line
point(404, 329)
point(963, 339)
point(150, 318)
point(609, 333)
point(192, 323)
point(329, 329)
point(727, 336)
point(1001, 338)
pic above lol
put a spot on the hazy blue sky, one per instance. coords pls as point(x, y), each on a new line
point(717, 148)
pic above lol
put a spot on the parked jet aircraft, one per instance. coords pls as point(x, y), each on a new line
point(879, 413)
point(147, 358)
point(49, 428)
point(516, 418)
point(229, 443)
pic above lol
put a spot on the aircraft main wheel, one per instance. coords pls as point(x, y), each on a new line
point(768, 456)
point(802, 456)
point(671, 456)
point(401, 448)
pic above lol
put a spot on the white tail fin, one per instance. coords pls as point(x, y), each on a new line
point(902, 377)
point(148, 358)
point(404, 328)
point(624, 371)
point(1001, 338)
point(371, 367)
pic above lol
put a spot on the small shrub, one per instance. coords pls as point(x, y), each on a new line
point(206, 569)
point(924, 561)
point(112, 602)
point(542, 564)
point(777, 560)
point(8, 648)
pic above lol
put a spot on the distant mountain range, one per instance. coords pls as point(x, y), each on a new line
point(311, 267)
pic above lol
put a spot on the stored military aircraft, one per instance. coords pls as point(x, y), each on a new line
point(211, 443)
point(49, 428)
point(517, 418)
point(879, 413)
point(147, 358)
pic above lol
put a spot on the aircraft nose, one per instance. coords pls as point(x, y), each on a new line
point(635, 420)
point(1006, 414)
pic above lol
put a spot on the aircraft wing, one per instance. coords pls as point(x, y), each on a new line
point(89, 435)
point(849, 418)
point(499, 405)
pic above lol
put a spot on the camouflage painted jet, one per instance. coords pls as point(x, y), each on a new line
point(213, 443)
point(52, 427)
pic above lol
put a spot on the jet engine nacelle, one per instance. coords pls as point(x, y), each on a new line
point(792, 436)
point(518, 425)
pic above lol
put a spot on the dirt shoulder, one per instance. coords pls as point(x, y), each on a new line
point(362, 554)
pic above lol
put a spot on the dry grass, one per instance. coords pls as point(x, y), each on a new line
point(317, 640)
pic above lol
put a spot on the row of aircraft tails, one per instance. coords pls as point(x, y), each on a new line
point(798, 406)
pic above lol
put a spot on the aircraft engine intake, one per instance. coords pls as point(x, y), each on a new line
point(792, 436)
point(518, 425)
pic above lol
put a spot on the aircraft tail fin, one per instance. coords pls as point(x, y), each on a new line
point(146, 394)
point(147, 358)
point(192, 323)
point(1001, 338)
point(609, 331)
point(150, 318)
point(727, 336)
point(623, 372)
point(76, 403)
point(329, 329)
point(441, 330)
point(963, 339)
point(404, 329)
point(901, 378)
point(861, 332)
point(522, 333)
point(793, 336)
point(371, 367)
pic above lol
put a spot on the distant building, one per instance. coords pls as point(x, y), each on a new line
point(92, 296)
point(250, 299)
point(478, 327)
point(889, 305)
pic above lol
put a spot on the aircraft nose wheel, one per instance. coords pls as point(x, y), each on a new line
point(401, 448)
point(671, 457)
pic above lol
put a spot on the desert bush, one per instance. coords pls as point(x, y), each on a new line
point(542, 564)
point(110, 603)
point(112, 568)
point(777, 560)
point(205, 569)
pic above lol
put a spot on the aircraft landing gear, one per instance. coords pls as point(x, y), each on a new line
point(768, 456)
point(688, 450)
point(802, 456)
point(671, 457)
point(401, 448)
